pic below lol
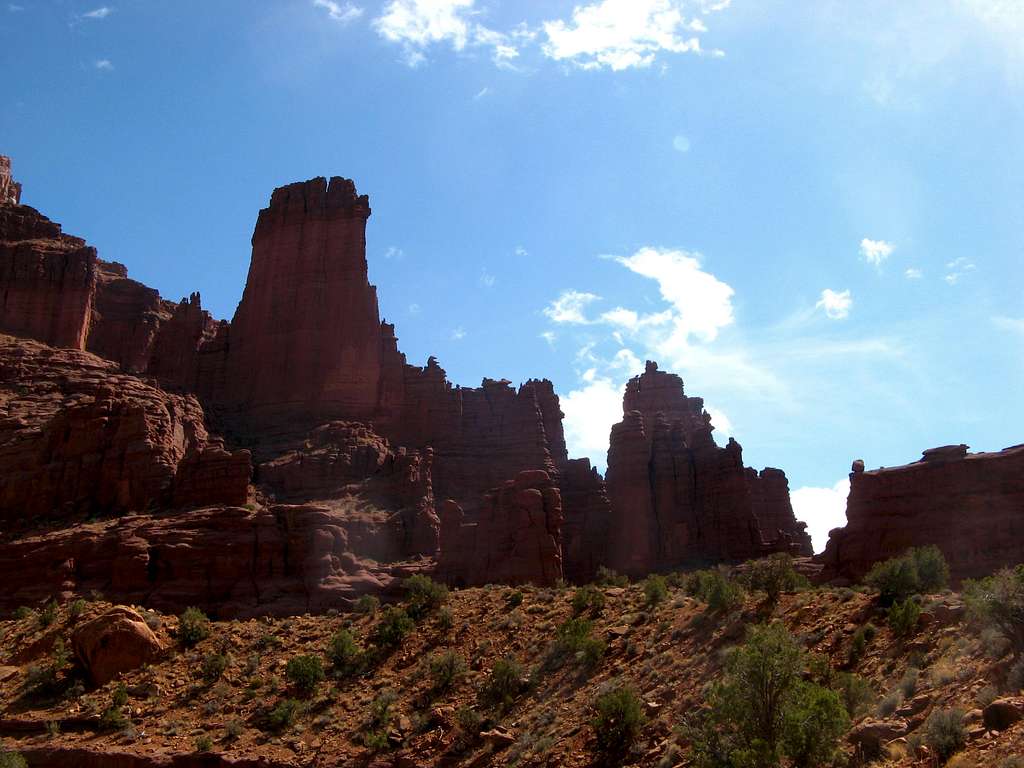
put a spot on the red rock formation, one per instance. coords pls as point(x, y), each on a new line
point(114, 642)
point(77, 437)
point(586, 531)
point(970, 505)
point(515, 540)
point(10, 190)
point(676, 497)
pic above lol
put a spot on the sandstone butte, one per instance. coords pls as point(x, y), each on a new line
point(292, 460)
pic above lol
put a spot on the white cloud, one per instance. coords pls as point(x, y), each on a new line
point(701, 304)
point(414, 309)
point(590, 412)
point(875, 251)
point(620, 34)
point(487, 280)
point(340, 12)
point(681, 144)
point(394, 252)
point(521, 251)
point(836, 304)
point(417, 25)
point(458, 334)
point(481, 93)
point(549, 337)
point(14, 8)
point(822, 509)
point(913, 273)
point(569, 307)
point(1012, 324)
point(957, 269)
point(721, 422)
point(98, 13)
point(104, 65)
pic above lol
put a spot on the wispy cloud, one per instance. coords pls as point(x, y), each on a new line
point(875, 251)
point(458, 334)
point(340, 12)
point(487, 280)
point(1011, 324)
point(549, 337)
point(836, 304)
point(481, 93)
point(569, 307)
point(15, 8)
point(623, 34)
point(104, 65)
point(414, 309)
point(681, 144)
point(521, 251)
point(913, 273)
point(98, 13)
point(957, 269)
point(394, 252)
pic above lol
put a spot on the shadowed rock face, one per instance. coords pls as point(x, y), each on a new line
point(970, 505)
point(366, 467)
point(677, 498)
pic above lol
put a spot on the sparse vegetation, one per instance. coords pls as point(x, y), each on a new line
point(76, 609)
point(423, 596)
point(445, 670)
point(920, 570)
point(606, 577)
point(213, 666)
point(344, 653)
point(856, 694)
point(861, 638)
point(193, 627)
point(375, 735)
point(282, 716)
point(655, 590)
point(514, 599)
point(506, 682)
point(716, 588)
point(998, 602)
point(367, 604)
point(11, 759)
point(392, 627)
point(588, 599)
point(305, 673)
point(903, 617)
point(204, 743)
point(618, 720)
point(944, 732)
point(48, 614)
point(773, 576)
point(574, 642)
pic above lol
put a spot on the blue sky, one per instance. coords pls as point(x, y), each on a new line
point(811, 211)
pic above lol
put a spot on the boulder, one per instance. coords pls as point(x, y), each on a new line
point(870, 736)
point(1002, 713)
point(115, 642)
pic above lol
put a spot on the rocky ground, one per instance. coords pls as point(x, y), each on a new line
point(213, 703)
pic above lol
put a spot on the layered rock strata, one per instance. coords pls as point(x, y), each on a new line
point(679, 499)
point(970, 505)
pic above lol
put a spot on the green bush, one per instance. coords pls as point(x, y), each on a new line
point(204, 743)
point(513, 600)
point(120, 697)
point(655, 589)
point(715, 587)
point(606, 577)
point(998, 602)
point(505, 684)
point(920, 570)
point(944, 732)
point(861, 638)
point(573, 641)
point(392, 627)
point(283, 715)
point(469, 723)
point(305, 672)
point(193, 627)
point(772, 576)
point(587, 598)
point(213, 666)
point(23, 612)
point(618, 720)
point(11, 759)
point(762, 710)
point(375, 737)
point(113, 719)
point(76, 609)
point(344, 653)
point(423, 596)
point(367, 604)
point(855, 692)
point(48, 615)
point(903, 617)
point(445, 670)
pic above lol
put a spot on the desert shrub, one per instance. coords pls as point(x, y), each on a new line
point(268, 641)
point(573, 641)
point(305, 672)
point(908, 683)
point(113, 719)
point(233, 729)
point(120, 697)
point(1015, 676)
point(445, 670)
point(344, 653)
point(923, 569)
point(11, 759)
point(48, 614)
point(762, 709)
point(942, 672)
point(193, 627)
point(204, 743)
point(944, 732)
point(1013, 761)
point(42, 680)
point(423, 596)
point(367, 604)
point(513, 600)
point(903, 617)
point(507, 680)
point(23, 612)
point(469, 723)
point(392, 627)
point(861, 638)
point(76, 609)
point(213, 666)
point(889, 704)
point(655, 589)
point(716, 588)
point(375, 734)
point(618, 720)
point(445, 620)
point(283, 715)
point(587, 598)
point(986, 696)
point(773, 576)
point(855, 692)
point(998, 602)
point(606, 577)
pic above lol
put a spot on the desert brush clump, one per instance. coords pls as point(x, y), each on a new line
point(655, 590)
point(423, 596)
point(588, 599)
point(193, 627)
point(392, 627)
point(505, 683)
point(305, 672)
point(345, 655)
point(997, 602)
point(716, 588)
point(903, 617)
point(617, 722)
point(446, 668)
point(11, 759)
point(606, 577)
point(772, 576)
point(574, 642)
point(944, 732)
point(921, 570)
point(763, 711)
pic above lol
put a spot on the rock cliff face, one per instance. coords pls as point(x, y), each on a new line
point(10, 190)
point(677, 498)
point(366, 467)
point(970, 505)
